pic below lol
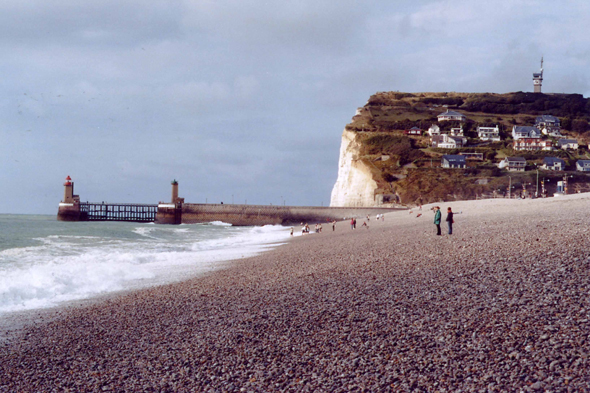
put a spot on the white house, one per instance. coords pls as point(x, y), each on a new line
point(488, 133)
point(566, 144)
point(445, 141)
point(457, 131)
point(549, 125)
point(514, 164)
point(519, 132)
point(434, 130)
point(553, 164)
point(532, 144)
point(451, 115)
point(583, 165)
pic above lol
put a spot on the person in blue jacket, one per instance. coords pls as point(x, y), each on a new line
point(450, 220)
point(437, 215)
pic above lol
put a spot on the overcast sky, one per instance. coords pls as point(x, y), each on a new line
point(242, 99)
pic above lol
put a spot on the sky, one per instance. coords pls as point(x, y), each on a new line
point(242, 100)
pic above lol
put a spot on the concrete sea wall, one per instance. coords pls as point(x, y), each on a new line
point(190, 213)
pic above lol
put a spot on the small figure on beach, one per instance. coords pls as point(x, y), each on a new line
point(291, 231)
point(437, 215)
point(450, 220)
point(333, 225)
point(305, 229)
point(368, 218)
point(365, 225)
point(352, 223)
point(320, 228)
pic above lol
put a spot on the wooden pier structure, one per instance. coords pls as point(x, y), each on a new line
point(134, 212)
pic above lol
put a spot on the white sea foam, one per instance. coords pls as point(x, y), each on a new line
point(64, 268)
point(220, 223)
point(144, 231)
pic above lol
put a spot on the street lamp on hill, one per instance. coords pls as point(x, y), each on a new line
point(537, 191)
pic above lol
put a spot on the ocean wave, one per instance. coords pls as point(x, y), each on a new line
point(219, 223)
point(65, 268)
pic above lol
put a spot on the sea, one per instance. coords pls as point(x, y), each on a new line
point(45, 262)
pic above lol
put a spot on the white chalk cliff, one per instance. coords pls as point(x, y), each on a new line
point(355, 185)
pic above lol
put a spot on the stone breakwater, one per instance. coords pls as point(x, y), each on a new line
point(501, 305)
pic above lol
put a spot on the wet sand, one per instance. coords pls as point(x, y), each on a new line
point(501, 305)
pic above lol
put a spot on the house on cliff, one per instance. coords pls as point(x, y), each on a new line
point(583, 165)
point(453, 161)
point(513, 164)
point(413, 131)
point(534, 144)
point(445, 141)
point(457, 131)
point(553, 164)
point(451, 115)
point(567, 144)
point(549, 125)
point(519, 132)
point(488, 133)
point(434, 130)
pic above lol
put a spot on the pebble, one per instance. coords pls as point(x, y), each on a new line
point(483, 310)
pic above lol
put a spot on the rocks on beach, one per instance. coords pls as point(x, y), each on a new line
point(501, 305)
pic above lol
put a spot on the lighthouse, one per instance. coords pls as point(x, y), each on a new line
point(69, 208)
point(69, 196)
point(538, 79)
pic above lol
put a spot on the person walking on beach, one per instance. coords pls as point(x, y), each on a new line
point(437, 215)
point(450, 220)
point(333, 225)
point(352, 223)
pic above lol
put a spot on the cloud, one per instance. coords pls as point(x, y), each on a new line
point(307, 24)
point(243, 97)
point(96, 23)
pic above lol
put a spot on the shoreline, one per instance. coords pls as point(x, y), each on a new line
point(390, 306)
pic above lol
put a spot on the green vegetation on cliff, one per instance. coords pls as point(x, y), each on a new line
point(406, 167)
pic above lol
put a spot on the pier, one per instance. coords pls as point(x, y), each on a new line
point(178, 212)
point(134, 212)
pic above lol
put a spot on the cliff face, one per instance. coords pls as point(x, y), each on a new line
point(355, 185)
point(382, 163)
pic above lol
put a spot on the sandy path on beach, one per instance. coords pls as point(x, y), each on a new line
point(503, 304)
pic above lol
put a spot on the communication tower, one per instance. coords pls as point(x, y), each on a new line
point(538, 79)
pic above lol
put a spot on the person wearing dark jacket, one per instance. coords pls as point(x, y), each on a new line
point(437, 215)
point(450, 220)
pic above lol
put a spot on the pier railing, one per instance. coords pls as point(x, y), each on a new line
point(90, 211)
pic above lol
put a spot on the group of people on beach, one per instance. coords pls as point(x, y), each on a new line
point(438, 216)
point(437, 220)
point(318, 227)
point(365, 223)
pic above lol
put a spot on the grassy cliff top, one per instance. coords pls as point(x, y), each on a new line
point(388, 111)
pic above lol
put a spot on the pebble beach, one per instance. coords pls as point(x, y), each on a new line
point(502, 305)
